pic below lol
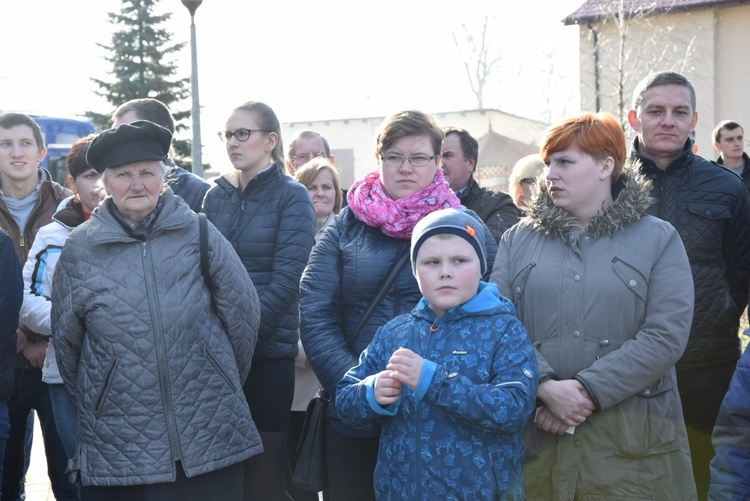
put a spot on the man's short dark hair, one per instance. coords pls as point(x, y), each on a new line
point(10, 120)
point(469, 145)
point(662, 78)
point(149, 109)
point(725, 124)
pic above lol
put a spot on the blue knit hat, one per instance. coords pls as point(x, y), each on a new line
point(456, 222)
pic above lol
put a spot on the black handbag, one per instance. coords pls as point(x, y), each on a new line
point(311, 473)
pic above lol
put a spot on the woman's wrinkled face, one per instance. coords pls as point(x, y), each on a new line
point(135, 188)
point(88, 189)
point(399, 177)
point(323, 193)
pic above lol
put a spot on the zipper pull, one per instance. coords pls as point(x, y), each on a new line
point(434, 327)
point(21, 241)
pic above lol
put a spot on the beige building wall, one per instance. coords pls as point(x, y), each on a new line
point(708, 46)
point(353, 139)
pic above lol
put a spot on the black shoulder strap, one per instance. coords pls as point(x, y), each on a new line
point(379, 295)
point(203, 230)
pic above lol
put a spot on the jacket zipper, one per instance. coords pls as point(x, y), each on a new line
point(161, 354)
point(418, 409)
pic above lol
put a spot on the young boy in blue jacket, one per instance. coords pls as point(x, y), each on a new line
point(453, 382)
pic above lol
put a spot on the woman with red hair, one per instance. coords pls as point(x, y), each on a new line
point(606, 294)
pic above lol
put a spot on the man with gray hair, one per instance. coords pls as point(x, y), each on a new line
point(305, 146)
point(710, 209)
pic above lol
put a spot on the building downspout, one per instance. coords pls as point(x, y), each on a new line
point(597, 86)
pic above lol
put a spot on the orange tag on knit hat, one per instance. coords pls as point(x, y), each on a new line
point(470, 230)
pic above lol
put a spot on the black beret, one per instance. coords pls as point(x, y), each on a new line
point(139, 141)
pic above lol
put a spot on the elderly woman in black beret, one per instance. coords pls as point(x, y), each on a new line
point(153, 350)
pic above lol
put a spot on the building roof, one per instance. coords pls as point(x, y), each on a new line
point(595, 10)
point(496, 149)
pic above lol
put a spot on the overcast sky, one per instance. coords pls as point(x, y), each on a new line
point(309, 60)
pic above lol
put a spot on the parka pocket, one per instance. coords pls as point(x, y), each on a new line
point(102, 396)
point(647, 421)
point(218, 367)
point(634, 281)
point(518, 284)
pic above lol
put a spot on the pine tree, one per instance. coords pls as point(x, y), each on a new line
point(141, 66)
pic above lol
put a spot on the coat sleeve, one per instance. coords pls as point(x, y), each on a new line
point(658, 344)
point(502, 405)
point(736, 249)
point(235, 299)
point(355, 400)
point(296, 234)
point(11, 297)
point(730, 468)
point(67, 326)
point(322, 310)
point(35, 312)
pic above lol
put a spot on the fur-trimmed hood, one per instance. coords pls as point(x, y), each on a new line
point(631, 195)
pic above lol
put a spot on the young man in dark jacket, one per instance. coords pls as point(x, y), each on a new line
point(729, 141)
point(709, 207)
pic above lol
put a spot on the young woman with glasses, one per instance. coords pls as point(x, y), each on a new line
point(270, 220)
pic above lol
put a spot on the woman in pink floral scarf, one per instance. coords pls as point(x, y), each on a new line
point(349, 263)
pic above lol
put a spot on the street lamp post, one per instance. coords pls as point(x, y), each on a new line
point(192, 6)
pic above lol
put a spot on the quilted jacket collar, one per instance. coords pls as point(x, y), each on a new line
point(230, 182)
point(631, 200)
point(103, 228)
point(680, 162)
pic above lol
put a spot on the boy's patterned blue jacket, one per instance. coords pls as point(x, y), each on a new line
point(458, 436)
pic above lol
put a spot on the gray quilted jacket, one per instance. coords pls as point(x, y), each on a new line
point(155, 377)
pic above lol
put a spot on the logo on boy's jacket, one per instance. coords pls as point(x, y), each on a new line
point(460, 352)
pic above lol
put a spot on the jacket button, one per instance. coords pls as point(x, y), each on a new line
point(518, 290)
point(647, 391)
point(576, 278)
point(576, 334)
point(633, 283)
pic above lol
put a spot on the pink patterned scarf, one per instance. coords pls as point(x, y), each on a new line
point(370, 204)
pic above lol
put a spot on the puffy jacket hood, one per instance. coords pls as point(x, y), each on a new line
point(631, 201)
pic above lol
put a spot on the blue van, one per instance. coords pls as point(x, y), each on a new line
point(60, 132)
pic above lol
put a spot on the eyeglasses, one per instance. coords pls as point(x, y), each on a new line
point(306, 157)
point(392, 160)
point(240, 135)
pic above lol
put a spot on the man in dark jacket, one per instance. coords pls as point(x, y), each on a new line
point(11, 297)
point(729, 139)
point(460, 153)
point(709, 207)
point(184, 184)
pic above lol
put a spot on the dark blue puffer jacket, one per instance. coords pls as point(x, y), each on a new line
point(271, 225)
point(346, 268)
